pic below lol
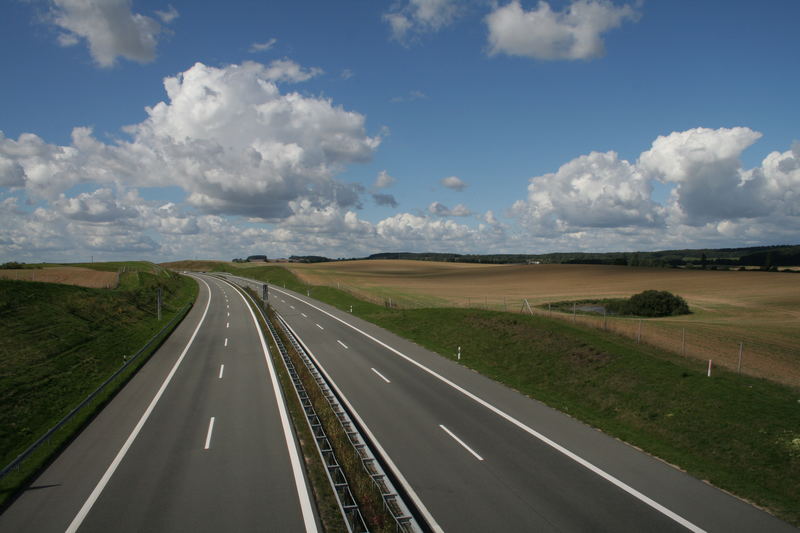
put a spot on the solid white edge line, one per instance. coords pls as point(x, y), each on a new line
point(435, 527)
point(297, 468)
point(210, 431)
point(98, 489)
point(221, 370)
point(343, 344)
point(381, 375)
point(462, 443)
point(580, 460)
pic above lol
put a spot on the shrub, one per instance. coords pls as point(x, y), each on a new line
point(656, 303)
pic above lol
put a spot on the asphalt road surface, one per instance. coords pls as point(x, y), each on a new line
point(478, 456)
point(196, 441)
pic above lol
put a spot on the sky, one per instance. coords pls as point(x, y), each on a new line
point(167, 130)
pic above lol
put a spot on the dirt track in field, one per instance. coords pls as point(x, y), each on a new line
point(82, 277)
point(759, 309)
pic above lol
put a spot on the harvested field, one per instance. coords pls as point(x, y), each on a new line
point(82, 277)
point(759, 309)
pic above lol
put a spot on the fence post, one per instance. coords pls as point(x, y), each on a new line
point(639, 333)
point(683, 341)
point(573, 312)
point(739, 366)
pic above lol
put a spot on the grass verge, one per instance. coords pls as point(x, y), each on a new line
point(740, 433)
point(57, 344)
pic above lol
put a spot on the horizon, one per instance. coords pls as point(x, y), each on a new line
point(168, 129)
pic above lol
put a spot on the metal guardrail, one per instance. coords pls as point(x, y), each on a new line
point(44, 438)
point(393, 502)
point(348, 506)
point(405, 522)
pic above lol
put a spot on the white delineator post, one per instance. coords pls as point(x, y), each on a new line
point(459, 353)
point(709, 368)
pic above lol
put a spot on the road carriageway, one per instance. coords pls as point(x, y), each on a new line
point(198, 440)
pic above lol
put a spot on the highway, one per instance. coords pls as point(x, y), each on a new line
point(198, 440)
point(478, 456)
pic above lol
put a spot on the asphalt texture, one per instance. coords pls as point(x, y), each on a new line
point(177, 474)
point(478, 456)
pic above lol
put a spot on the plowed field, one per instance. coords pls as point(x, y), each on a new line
point(83, 277)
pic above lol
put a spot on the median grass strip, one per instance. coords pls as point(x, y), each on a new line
point(740, 433)
point(58, 343)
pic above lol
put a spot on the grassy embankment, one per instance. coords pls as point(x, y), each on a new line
point(59, 342)
point(740, 433)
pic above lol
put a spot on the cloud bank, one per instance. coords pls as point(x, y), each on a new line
point(258, 170)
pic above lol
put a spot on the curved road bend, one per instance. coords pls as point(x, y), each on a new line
point(482, 457)
point(181, 471)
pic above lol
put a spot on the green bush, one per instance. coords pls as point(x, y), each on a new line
point(656, 303)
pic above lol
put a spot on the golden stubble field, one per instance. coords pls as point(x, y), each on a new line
point(761, 310)
point(83, 277)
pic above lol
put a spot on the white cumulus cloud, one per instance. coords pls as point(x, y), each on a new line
point(227, 136)
point(541, 33)
point(110, 27)
point(383, 180)
point(288, 71)
point(595, 190)
point(262, 47)
point(453, 182)
point(441, 210)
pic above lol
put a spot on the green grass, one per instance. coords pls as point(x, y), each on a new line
point(59, 342)
point(740, 433)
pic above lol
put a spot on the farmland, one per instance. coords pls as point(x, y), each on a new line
point(68, 275)
point(761, 310)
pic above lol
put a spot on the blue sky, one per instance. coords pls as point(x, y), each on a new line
point(350, 128)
